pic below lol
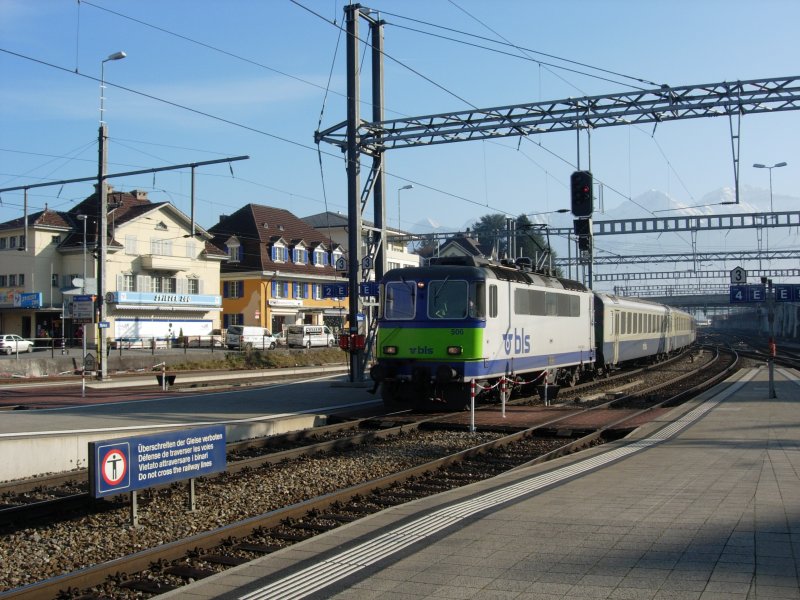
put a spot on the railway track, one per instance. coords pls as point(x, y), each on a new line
point(155, 570)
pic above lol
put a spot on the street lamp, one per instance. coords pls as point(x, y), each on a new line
point(405, 187)
point(116, 56)
point(775, 166)
point(103, 220)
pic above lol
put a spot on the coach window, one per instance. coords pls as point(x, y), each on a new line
point(493, 301)
point(400, 299)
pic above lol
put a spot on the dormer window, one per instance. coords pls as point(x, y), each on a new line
point(279, 253)
point(320, 257)
point(300, 256)
point(235, 250)
point(335, 256)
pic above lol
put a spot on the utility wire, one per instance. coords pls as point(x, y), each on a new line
point(518, 47)
point(390, 57)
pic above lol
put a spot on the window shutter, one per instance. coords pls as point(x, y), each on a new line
point(225, 289)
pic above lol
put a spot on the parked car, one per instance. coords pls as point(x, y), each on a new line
point(242, 337)
point(10, 343)
point(306, 336)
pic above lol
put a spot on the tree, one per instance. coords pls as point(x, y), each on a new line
point(489, 230)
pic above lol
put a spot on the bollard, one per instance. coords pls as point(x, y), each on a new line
point(503, 395)
point(472, 406)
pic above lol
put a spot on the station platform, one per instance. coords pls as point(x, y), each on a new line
point(38, 442)
point(699, 504)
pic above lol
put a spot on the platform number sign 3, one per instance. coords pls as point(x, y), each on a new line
point(738, 275)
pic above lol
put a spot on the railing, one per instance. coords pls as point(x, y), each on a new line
point(74, 345)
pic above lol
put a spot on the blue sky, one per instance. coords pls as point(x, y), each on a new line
point(263, 87)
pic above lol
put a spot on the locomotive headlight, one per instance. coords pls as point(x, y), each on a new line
point(454, 350)
point(390, 349)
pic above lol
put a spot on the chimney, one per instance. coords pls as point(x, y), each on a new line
point(139, 194)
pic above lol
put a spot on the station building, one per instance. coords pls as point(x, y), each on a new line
point(276, 269)
point(160, 280)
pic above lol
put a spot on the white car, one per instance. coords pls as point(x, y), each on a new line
point(14, 343)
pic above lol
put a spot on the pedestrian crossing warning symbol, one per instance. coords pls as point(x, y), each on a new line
point(113, 467)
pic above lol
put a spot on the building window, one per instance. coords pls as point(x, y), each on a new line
point(3, 243)
point(161, 247)
point(170, 285)
point(12, 241)
point(280, 289)
point(233, 289)
point(235, 252)
point(300, 290)
point(335, 257)
point(193, 286)
point(279, 253)
point(56, 239)
point(22, 241)
point(3, 281)
point(128, 282)
point(131, 247)
point(21, 279)
point(320, 258)
point(190, 251)
point(54, 280)
point(317, 291)
point(12, 280)
point(300, 256)
point(234, 319)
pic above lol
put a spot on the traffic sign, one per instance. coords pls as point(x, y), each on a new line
point(738, 275)
point(103, 324)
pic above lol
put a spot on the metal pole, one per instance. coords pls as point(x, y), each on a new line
point(353, 184)
point(771, 319)
point(102, 232)
point(379, 159)
point(83, 335)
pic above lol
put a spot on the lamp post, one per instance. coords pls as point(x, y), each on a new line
point(103, 220)
point(405, 187)
point(775, 166)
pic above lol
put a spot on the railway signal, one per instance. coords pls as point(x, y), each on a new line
point(581, 188)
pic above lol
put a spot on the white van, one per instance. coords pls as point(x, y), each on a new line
point(306, 336)
point(240, 337)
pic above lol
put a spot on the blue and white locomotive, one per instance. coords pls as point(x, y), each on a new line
point(464, 319)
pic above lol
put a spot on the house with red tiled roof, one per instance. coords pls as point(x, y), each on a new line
point(276, 269)
point(160, 280)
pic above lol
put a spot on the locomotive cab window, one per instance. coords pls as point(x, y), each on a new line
point(448, 299)
point(400, 300)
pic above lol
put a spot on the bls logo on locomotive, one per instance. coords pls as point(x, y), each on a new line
point(520, 341)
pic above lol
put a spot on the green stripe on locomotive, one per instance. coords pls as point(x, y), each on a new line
point(427, 343)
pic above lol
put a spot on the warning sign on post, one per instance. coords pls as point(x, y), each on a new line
point(135, 463)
